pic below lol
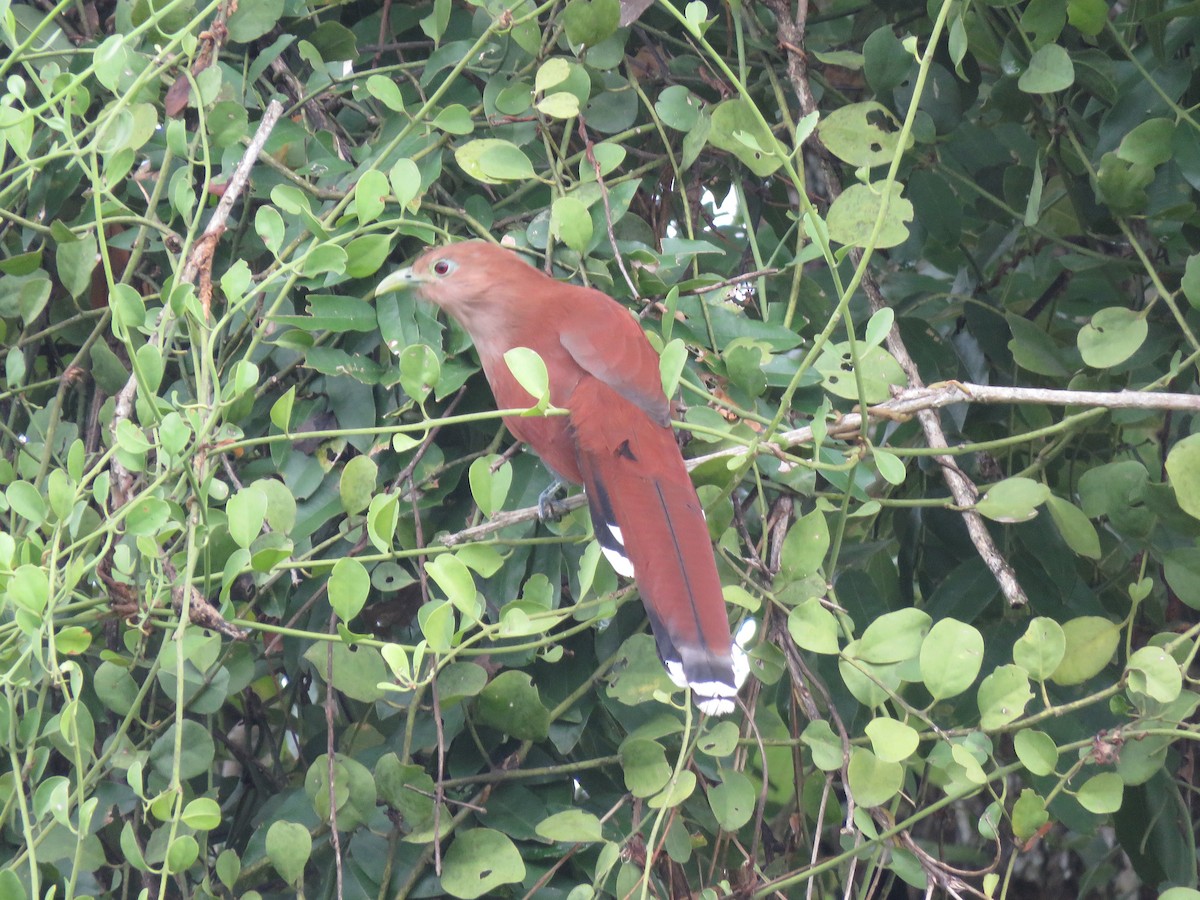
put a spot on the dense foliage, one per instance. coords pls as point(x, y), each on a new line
point(276, 610)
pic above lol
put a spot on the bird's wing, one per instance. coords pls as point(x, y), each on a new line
point(607, 342)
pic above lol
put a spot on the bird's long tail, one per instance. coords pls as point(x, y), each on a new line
point(651, 527)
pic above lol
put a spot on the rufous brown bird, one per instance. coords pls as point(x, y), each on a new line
point(617, 442)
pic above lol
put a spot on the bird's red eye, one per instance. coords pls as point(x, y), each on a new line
point(442, 267)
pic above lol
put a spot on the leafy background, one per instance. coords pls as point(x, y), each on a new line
point(248, 649)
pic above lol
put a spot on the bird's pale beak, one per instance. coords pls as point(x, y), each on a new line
point(398, 280)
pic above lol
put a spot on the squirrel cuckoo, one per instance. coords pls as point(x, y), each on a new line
point(617, 442)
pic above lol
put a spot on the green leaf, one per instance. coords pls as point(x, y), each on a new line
point(824, 745)
point(588, 22)
point(202, 814)
point(251, 21)
point(289, 846)
point(894, 637)
point(247, 510)
point(454, 119)
point(1036, 751)
point(892, 741)
point(877, 370)
point(862, 134)
point(511, 704)
point(490, 489)
point(364, 255)
point(370, 196)
point(644, 766)
point(349, 584)
point(357, 484)
point(1013, 500)
point(1101, 794)
point(1029, 814)
point(676, 792)
point(405, 179)
point(530, 372)
point(27, 501)
point(670, 365)
point(1003, 696)
point(1091, 642)
point(852, 216)
point(357, 671)
point(1050, 69)
point(494, 161)
point(1148, 144)
point(804, 547)
point(951, 656)
point(559, 105)
point(1040, 650)
point(1074, 526)
point(571, 222)
point(386, 92)
point(1183, 468)
point(1153, 672)
point(731, 118)
point(813, 627)
point(873, 781)
point(733, 800)
point(1111, 337)
point(420, 370)
point(572, 826)
point(455, 579)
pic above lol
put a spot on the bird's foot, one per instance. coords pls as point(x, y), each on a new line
point(549, 505)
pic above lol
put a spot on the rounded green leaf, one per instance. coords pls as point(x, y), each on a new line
point(804, 547)
point(494, 161)
point(570, 220)
point(357, 484)
point(289, 846)
point(853, 214)
point(247, 511)
point(873, 781)
point(644, 766)
point(1029, 814)
point(512, 705)
point(1074, 526)
point(1183, 468)
point(1101, 794)
point(813, 627)
point(455, 579)
point(951, 656)
point(572, 826)
point(732, 800)
point(202, 814)
point(1050, 69)
point(677, 790)
point(877, 370)
point(825, 746)
point(420, 370)
point(1036, 751)
point(1091, 642)
point(490, 488)
point(370, 195)
point(862, 134)
point(1003, 696)
point(1111, 337)
point(1013, 500)
point(530, 371)
point(349, 584)
point(894, 637)
point(1155, 673)
point(891, 740)
point(478, 862)
point(182, 852)
point(1041, 648)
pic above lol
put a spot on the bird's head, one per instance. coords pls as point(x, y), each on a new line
point(466, 278)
